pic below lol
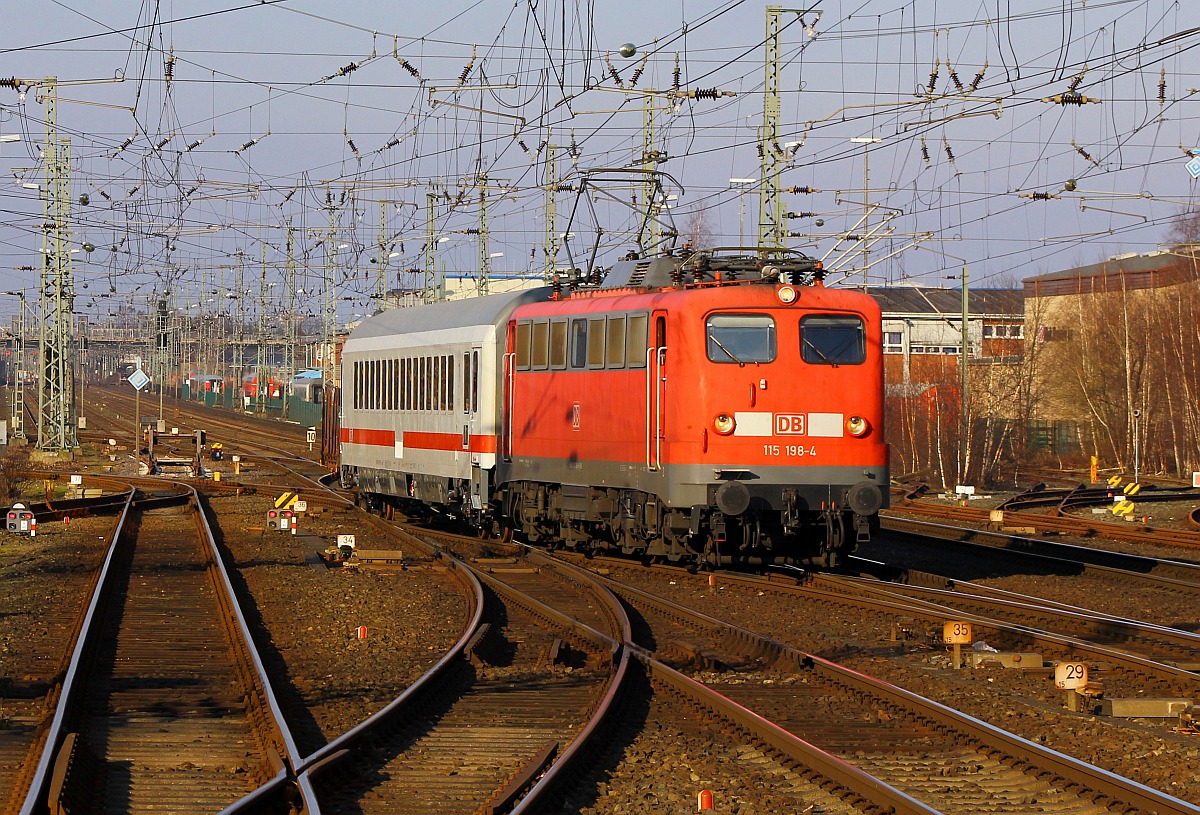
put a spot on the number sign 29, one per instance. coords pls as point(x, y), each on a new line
point(1070, 675)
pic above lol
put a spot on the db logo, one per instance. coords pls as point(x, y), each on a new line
point(576, 416)
point(789, 424)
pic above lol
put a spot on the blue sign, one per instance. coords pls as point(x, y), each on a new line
point(1193, 166)
point(138, 379)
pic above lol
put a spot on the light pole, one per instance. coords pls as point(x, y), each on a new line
point(1137, 416)
point(741, 184)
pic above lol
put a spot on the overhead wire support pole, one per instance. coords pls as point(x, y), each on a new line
point(289, 322)
point(329, 311)
point(485, 258)
point(964, 420)
point(550, 247)
point(649, 186)
point(771, 229)
point(56, 414)
point(432, 291)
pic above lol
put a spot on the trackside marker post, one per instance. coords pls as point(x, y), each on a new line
point(958, 634)
point(362, 632)
point(704, 801)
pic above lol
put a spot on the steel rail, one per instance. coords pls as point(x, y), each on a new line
point(1117, 788)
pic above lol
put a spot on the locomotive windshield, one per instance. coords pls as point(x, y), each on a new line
point(741, 338)
point(828, 339)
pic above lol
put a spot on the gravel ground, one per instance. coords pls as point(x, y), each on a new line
point(312, 615)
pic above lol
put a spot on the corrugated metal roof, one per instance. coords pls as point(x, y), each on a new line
point(924, 300)
point(1121, 273)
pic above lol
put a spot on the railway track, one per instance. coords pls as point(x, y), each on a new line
point(1016, 514)
point(164, 703)
point(907, 742)
point(565, 640)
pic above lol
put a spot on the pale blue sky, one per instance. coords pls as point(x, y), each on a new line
point(953, 171)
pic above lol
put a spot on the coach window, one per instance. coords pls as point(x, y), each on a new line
point(358, 384)
point(595, 353)
point(833, 339)
point(475, 381)
point(430, 394)
point(466, 380)
point(638, 337)
point(541, 345)
point(524, 349)
point(448, 365)
point(391, 385)
point(741, 338)
point(578, 343)
point(615, 352)
point(558, 344)
point(404, 384)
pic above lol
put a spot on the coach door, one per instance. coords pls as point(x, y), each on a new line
point(656, 386)
point(504, 441)
point(471, 418)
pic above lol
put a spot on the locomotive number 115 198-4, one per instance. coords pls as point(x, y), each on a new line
point(789, 450)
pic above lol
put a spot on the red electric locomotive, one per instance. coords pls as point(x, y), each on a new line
point(704, 409)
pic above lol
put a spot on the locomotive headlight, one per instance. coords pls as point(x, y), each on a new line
point(723, 424)
point(787, 294)
point(857, 426)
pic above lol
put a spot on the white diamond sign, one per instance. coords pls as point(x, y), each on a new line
point(138, 379)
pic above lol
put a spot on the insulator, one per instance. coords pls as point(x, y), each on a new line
point(1076, 80)
point(467, 68)
point(799, 214)
point(349, 69)
point(353, 148)
point(105, 195)
point(10, 82)
point(675, 75)
point(637, 72)
point(925, 151)
point(193, 145)
point(193, 189)
point(556, 288)
point(564, 188)
point(1041, 196)
point(852, 236)
point(612, 70)
point(391, 143)
point(169, 69)
point(949, 152)
point(1162, 86)
point(162, 143)
point(521, 144)
point(759, 147)
point(1070, 98)
point(978, 77)
point(802, 190)
point(289, 195)
point(125, 144)
point(933, 77)
point(704, 93)
point(471, 231)
point(954, 78)
point(247, 145)
point(1084, 153)
point(542, 146)
point(135, 189)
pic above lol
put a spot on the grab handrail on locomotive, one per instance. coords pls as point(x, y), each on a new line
point(696, 407)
